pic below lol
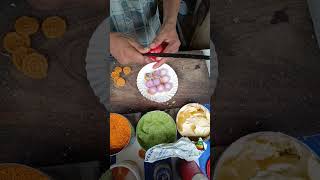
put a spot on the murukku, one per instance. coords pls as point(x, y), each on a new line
point(19, 55)
point(115, 74)
point(118, 69)
point(54, 27)
point(120, 82)
point(127, 70)
point(26, 25)
point(35, 66)
point(13, 40)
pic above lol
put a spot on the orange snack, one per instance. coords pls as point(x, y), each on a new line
point(35, 66)
point(120, 82)
point(54, 27)
point(115, 74)
point(127, 70)
point(115, 79)
point(118, 69)
point(13, 40)
point(19, 55)
point(26, 25)
point(120, 132)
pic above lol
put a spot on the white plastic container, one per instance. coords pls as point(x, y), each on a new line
point(132, 167)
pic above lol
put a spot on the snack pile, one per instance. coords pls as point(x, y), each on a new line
point(26, 59)
point(119, 80)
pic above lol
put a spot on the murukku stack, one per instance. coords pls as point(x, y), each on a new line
point(119, 81)
point(26, 59)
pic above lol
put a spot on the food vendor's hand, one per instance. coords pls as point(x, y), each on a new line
point(126, 50)
point(168, 34)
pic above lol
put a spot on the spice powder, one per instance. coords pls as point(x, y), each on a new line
point(120, 132)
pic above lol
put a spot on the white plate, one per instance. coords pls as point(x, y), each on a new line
point(96, 61)
point(158, 97)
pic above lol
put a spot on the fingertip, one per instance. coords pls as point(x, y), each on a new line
point(155, 66)
point(147, 60)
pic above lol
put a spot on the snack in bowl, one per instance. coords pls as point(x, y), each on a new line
point(193, 121)
point(120, 132)
point(267, 155)
point(156, 127)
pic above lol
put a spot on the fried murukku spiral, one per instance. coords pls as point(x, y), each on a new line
point(26, 25)
point(13, 40)
point(54, 27)
point(19, 55)
point(35, 66)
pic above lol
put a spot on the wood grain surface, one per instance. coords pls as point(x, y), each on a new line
point(269, 66)
point(193, 87)
point(57, 120)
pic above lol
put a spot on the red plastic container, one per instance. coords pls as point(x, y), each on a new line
point(208, 168)
point(188, 169)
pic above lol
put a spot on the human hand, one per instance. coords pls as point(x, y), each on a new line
point(168, 34)
point(126, 50)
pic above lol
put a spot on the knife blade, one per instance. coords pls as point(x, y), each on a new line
point(174, 55)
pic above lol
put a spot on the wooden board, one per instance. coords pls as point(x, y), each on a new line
point(193, 87)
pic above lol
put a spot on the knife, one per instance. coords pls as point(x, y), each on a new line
point(174, 55)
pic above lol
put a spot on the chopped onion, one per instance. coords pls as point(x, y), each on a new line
point(149, 83)
point(168, 86)
point(156, 82)
point(160, 88)
point(152, 90)
point(165, 79)
point(163, 72)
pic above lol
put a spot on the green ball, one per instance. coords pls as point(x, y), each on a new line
point(156, 127)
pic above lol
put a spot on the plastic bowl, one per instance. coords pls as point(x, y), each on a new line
point(131, 166)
